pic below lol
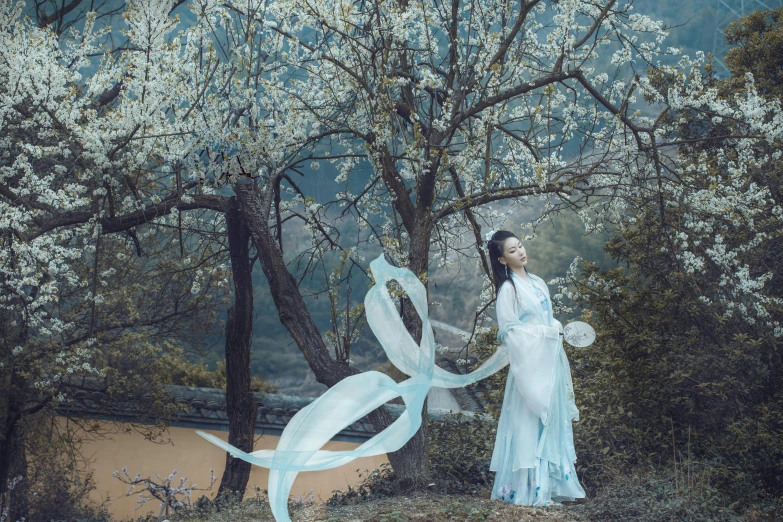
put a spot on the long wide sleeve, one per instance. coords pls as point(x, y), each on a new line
point(573, 411)
point(533, 349)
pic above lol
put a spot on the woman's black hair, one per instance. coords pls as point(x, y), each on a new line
point(495, 246)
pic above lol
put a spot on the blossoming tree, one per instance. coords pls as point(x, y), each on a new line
point(83, 310)
point(454, 106)
point(431, 113)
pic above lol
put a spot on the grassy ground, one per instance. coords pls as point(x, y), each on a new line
point(429, 507)
point(638, 504)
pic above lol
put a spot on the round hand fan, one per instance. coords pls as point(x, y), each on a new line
point(579, 334)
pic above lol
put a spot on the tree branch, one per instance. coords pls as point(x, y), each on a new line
point(482, 198)
point(134, 219)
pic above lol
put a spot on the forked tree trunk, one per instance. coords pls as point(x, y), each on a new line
point(240, 405)
point(409, 462)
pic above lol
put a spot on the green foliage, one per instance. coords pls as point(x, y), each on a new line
point(460, 450)
point(494, 386)
point(58, 482)
point(185, 373)
point(230, 509)
point(677, 374)
point(755, 443)
point(671, 377)
point(182, 372)
point(758, 44)
point(379, 482)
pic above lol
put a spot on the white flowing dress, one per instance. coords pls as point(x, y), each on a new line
point(534, 452)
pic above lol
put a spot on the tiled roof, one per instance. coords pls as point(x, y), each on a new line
point(208, 411)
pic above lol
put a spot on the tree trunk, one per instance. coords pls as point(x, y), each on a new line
point(240, 405)
point(13, 461)
point(407, 462)
point(417, 466)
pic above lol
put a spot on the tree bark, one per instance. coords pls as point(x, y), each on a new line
point(240, 405)
point(416, 451)
point(13, 461)
point(407, 462)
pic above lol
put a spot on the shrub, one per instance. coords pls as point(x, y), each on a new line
point(377, 483)
point(683, 369)
point(677, 495)
point(460, 452)
point(671, 377)
point(58, 482)
point(460, 448)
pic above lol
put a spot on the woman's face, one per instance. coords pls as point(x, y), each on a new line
point(514, 255)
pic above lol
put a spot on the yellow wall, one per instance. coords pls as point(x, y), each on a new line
point(192, 456)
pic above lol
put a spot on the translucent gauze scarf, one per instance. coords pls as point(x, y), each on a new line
point(299, 448)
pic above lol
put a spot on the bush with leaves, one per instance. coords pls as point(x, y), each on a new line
point(671, 377)
point(460, 452)
point(380, 482)
point(460, 449)
point(653, 497)
point(56, 477)
point(687, 363)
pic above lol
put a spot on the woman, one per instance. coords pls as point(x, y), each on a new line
point(534, 449)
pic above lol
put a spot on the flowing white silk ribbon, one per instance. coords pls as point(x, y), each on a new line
point(299, 448)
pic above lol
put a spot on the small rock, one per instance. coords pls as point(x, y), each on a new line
point(203, 502)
